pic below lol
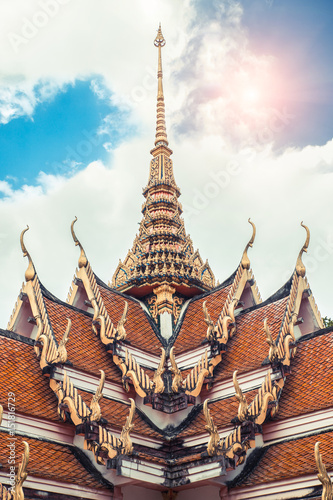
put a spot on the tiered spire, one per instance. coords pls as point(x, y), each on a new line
point(162, 253)
point(161, 135)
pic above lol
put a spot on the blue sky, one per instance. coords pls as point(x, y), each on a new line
point(248, 92)
point(62, 135)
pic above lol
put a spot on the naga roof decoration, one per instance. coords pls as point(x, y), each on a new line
point(162, 381)
point(323, 477)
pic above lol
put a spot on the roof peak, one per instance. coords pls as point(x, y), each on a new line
point(161, 135)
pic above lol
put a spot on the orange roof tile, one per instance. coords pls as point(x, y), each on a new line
point(292, 459)
point(85, 350)
point(50, 461)
point(248, 348)
point(193, 328)
point(139, 331)
point(21, 374)
point(222, 412)
point(309, 386)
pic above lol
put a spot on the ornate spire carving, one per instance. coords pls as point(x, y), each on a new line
point(83, 261)
point(158, 380)
point(127, 447)
point(30, 272)
point(96, 413)
point(243, 407)
point(214, 440)
point(245, 260)
point(161, 135)
point(121, 332)
point(211, 330)
point(177, 374)
point(273, 354)
point(323, 477)
point(21, 473)
point(162, 256)
point(300, 267)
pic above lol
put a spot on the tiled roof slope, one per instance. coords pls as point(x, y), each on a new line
point(21, 374)
point(248, 348)
point(139, 330)
point(50, 461)
point(84, 349)
point(193, 328)
point(309, 387)
point(222, 412)
point(292, 459)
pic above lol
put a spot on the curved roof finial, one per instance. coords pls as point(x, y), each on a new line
point(30, 272)
point(83, 261)
point(245, 260)
point(300, 267)
point(161, 135)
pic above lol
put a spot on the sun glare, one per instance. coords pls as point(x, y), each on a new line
point(251, 95)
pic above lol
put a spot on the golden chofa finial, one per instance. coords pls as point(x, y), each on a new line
point(161, 135)
point(83, 261)
point(300, 267)
point(245, 260)
point(159, 40)
point(324, 478)
point(30, 272)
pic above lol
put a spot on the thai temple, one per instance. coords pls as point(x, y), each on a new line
point(163, 384)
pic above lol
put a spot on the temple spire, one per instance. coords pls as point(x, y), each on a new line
point(162, 261)
point(161, 135)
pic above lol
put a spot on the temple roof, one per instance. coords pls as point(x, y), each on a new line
point(164, 380)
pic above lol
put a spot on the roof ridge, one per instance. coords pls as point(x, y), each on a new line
point(317, 333)
point(46, 293)
point(280, 294)
point(136, 301)
point(16, 336)
point(225, 283)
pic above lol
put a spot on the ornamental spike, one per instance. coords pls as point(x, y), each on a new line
point(83, 261)
point(245, 260)
point(300, 267)
point(30, 272)
point(161, 135)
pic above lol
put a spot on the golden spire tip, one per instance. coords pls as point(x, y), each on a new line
point(245, 259)
point(83, 261)
point(30, 272)
point(300, 268)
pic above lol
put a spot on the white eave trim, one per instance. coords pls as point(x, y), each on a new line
point(62, 433)
point(41, 484)
point(274, 432)
point(144, 359)
point(190, 358)
point(247, 381)
point(300, 486)
point(155, 473)
point(89, 383)
point(52, 431)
